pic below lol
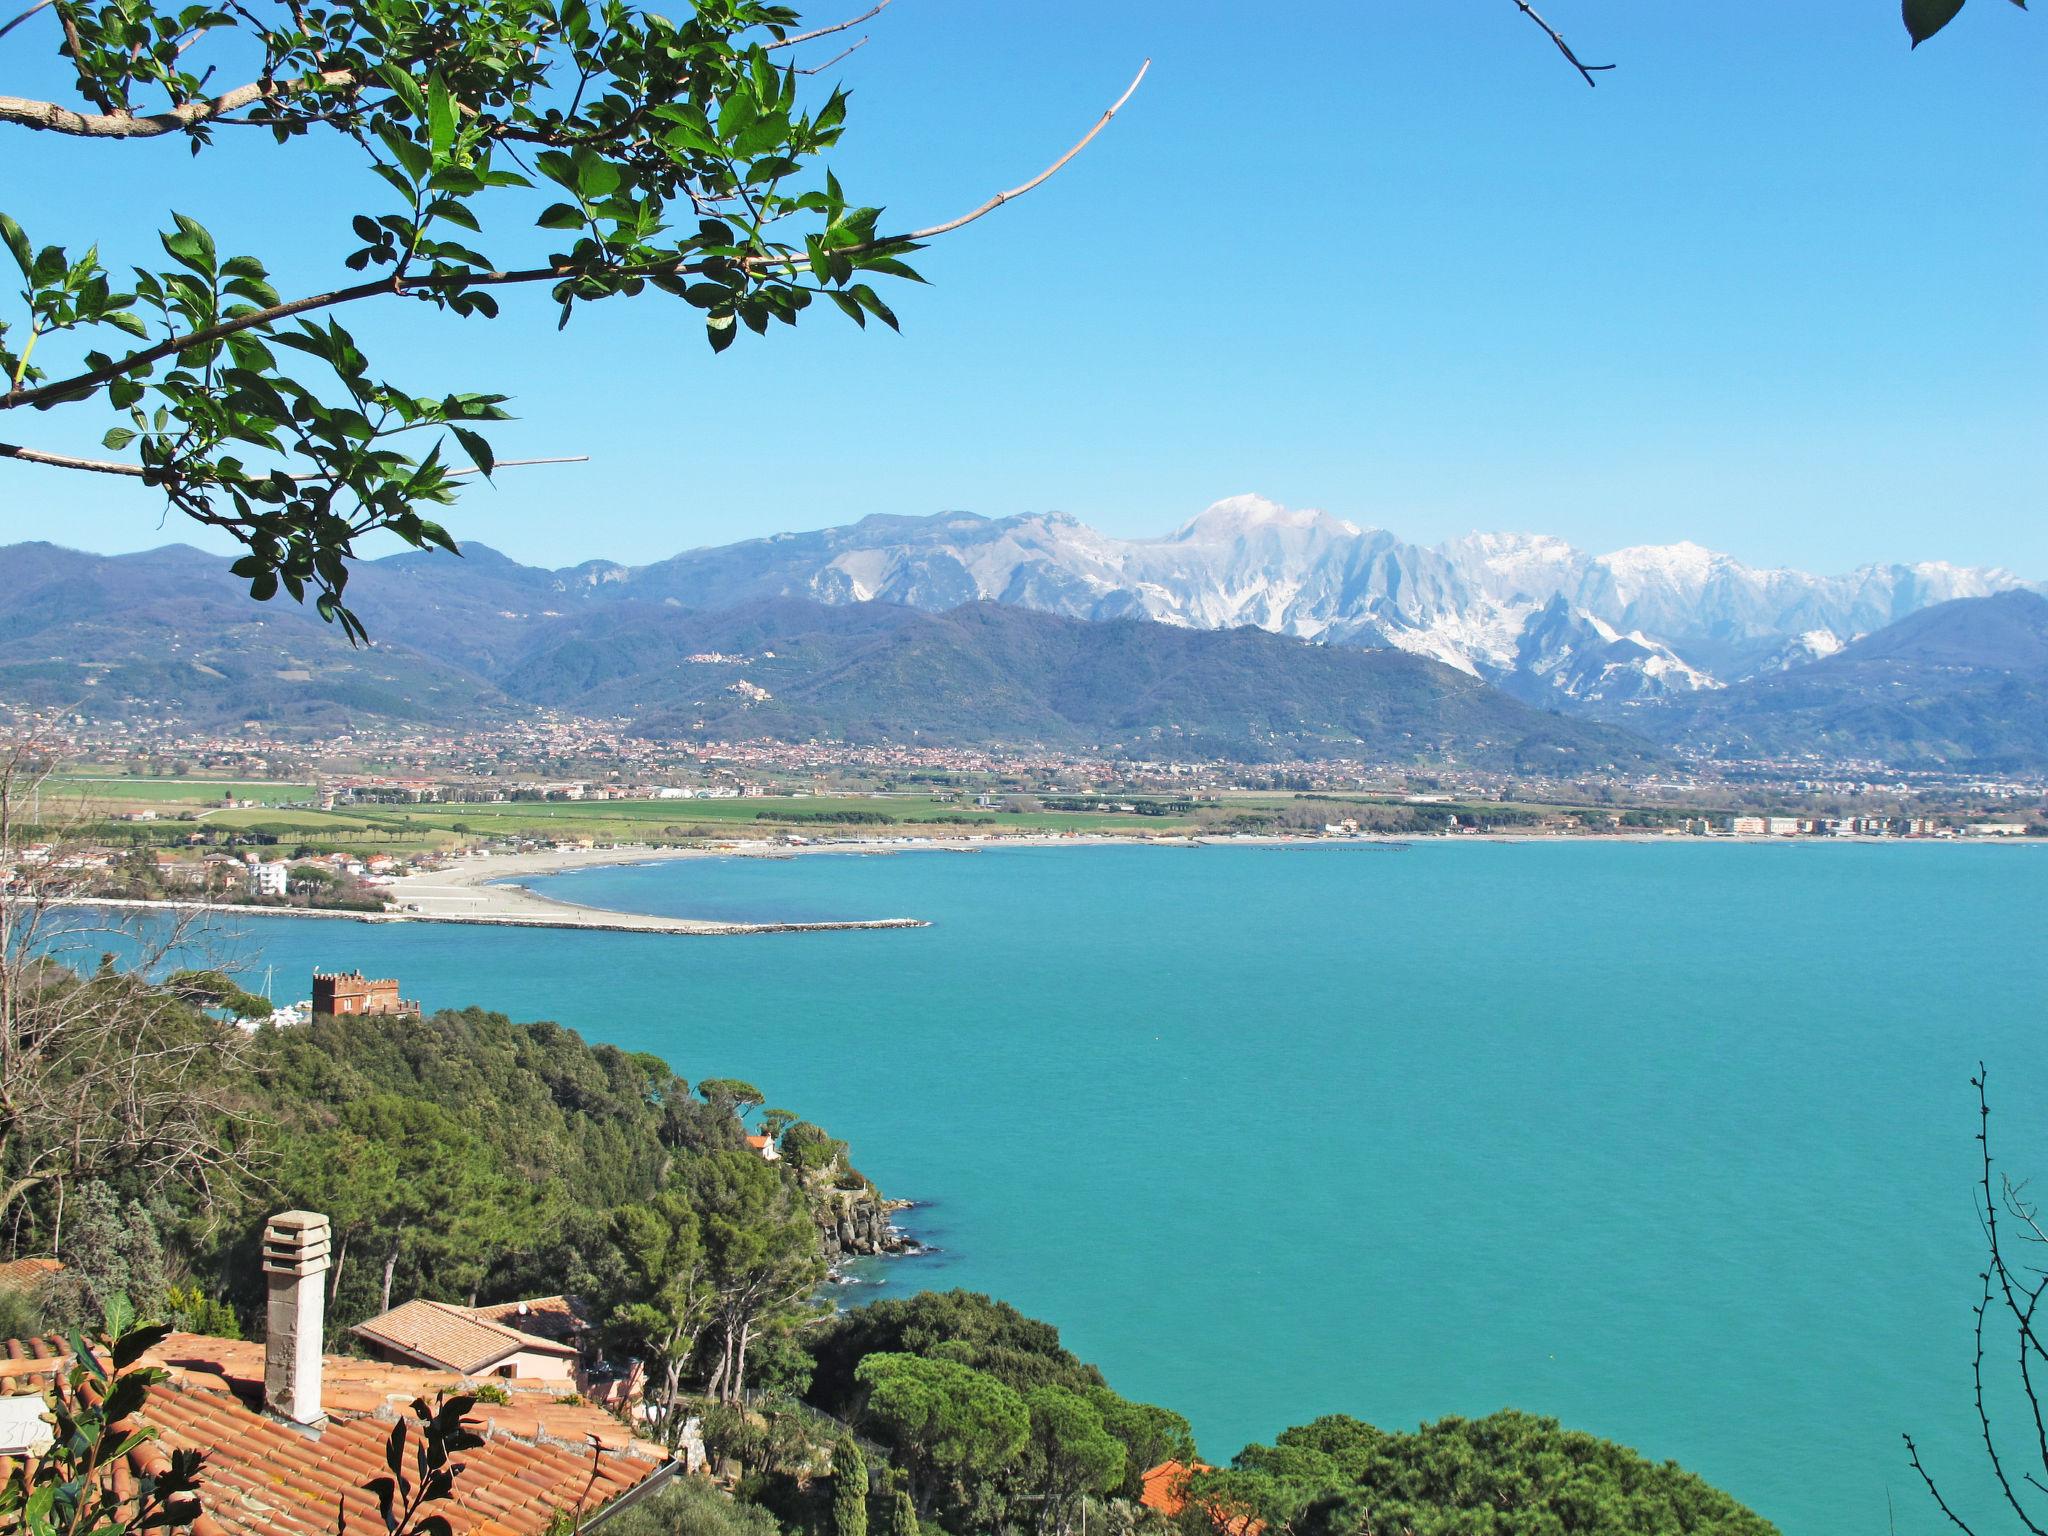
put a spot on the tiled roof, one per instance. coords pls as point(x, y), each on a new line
point(559, 1318)
point(1165, 1489)
point(264, 1477)
point(26, 1274)
point(451, 1337)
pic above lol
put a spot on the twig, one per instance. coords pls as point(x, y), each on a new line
point(111, 467)
point(838, 26)
point(1563, 47)
point(819, 69)
point(1037, 181)
point(40, 5)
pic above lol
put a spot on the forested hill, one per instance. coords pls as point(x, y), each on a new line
point(170, 636)
point(985, 674)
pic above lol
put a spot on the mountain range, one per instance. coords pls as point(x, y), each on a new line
point(1547, 621)
point(1249, 630)
point(168, 638)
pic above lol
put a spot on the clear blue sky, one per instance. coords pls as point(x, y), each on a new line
point(1775, 286)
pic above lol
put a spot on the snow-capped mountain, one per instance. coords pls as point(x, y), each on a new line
point(1556, 622)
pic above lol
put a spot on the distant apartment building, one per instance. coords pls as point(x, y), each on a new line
point(346, 994)
point(1783, 826)
point(1997, 829)
point(1747, 826)
point(268, 877)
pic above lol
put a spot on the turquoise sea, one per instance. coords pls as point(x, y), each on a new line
point(1673, 1142)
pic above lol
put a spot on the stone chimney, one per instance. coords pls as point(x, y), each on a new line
point(295, 1262)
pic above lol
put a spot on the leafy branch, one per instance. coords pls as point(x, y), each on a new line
point(632, 153)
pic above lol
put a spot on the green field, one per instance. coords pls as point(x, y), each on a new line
point(405, 829)
point(606, 821)
point(102, 790)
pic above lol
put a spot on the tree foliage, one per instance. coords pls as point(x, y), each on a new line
point(849, 1490)
point(946, 1423)
point(1510, 1474)
point(1072, 1455)
point(594, 151)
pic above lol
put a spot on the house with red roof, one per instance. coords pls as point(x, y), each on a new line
point(290, 1436)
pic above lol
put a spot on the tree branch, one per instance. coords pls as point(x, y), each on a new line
point(112, 467)
point(1040, 179)
point(838, 26)
point(1563, 47)
point(819, 69)
point(47, 116)
point(40, 5)
point(63, 389)
point(66, 461)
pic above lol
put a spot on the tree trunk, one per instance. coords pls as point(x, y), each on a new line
point(334, 1275)
point(739, 1364)
point(390, 1268)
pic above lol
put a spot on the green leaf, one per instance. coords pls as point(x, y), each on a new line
point(17, 242)
point(561, 216)
point(405, 88)
point(440, 117)
point(478, 450)
point(117, 438)
point(596, 178)
point(1924, 18)
point(416, 161)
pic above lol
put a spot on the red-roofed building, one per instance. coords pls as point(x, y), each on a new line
point(468, 1341)
point(28, 1275)
point(1165, 1491)
point(289, 1436)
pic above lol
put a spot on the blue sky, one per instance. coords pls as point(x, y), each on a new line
point(1775, 286)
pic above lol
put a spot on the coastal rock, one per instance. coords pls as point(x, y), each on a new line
point(855, 1224)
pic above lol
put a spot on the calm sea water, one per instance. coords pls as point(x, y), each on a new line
point(1672, 1142)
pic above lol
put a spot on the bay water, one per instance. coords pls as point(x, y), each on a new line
point(1673, 1142)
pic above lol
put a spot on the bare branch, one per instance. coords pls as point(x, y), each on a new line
point(49, 117)
point(1563, 47)
point(40, 5)
point(1040, 179)
point(838, 26)
point(67, 461)
point(819, 69)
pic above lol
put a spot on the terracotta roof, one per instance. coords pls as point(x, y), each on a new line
point(559, 1318)
point(1166, 1486)
point(1166, 1490)
point(451, 1337)
point(263, 1477)
point(26, 1274)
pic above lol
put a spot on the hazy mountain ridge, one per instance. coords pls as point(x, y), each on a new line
point(1699, 618)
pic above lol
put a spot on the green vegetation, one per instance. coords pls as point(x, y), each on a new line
point(1511, 1474)
point(524, 128)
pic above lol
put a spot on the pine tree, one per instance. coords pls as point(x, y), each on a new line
point(849, 1490)
point(902, 1513)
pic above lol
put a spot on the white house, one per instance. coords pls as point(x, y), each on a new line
point(268, 879)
